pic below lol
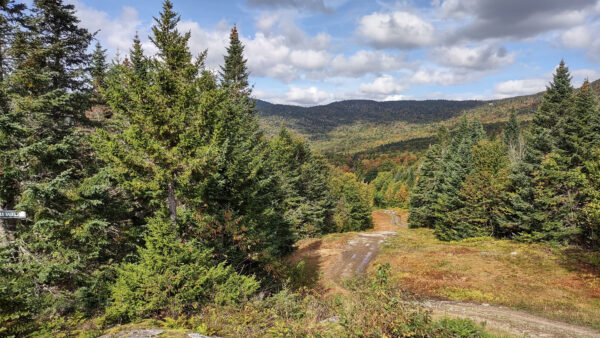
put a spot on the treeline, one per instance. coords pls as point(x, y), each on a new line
point(539, 185)
point(149, 188)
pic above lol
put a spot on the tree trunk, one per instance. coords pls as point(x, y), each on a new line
point(172, 202)
point(4, 235)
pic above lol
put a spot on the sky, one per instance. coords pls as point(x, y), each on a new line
point(311, 52)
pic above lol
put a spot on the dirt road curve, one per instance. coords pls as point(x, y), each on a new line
point(515, 322)
point(358, 252)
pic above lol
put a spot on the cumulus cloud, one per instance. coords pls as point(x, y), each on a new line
point(518, 19)
point(583, 37)
point(115, 33)
point(519, 87)
point(384, 85)
point(365, 62)
point(441, 76)
point(303, 5)
point(395, 30)
point(215, 40)
point(307, 96)
point(480, 58)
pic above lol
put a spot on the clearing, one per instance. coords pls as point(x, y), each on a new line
point(552, 284)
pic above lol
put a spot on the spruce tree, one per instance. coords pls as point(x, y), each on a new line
point(305, 179)
point(526, 216)
point(98, 66)
point(513, 139)
point(76, 220)
point(186, 147)
point(424, 195)
point(234, 73)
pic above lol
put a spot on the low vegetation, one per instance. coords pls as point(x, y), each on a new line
point(553, 281)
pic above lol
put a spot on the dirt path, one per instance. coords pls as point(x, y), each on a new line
point(356, 253)
point(519, 323)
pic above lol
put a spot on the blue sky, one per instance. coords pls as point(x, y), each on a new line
point(310, 52)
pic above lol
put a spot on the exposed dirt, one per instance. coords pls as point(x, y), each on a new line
point(353, 255)
point(515, 322)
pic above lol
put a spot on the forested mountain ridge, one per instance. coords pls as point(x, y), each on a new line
point(357, 126)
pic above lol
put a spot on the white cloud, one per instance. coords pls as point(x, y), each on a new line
point(115, 33)
point(441, 76)
point(309, 59)
point(383, 85)
point(395, 30)
point(480, 58)
point(307, 96)
point(365, 62)
point(215, 41)
point(583, 37)
point(519, 87)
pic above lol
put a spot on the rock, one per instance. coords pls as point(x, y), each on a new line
point(197, 335)
point(514, 253)
point(142, 333)
point(334, 319)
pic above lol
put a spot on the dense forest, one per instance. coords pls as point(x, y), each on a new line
point(535, 185)
point(158, 189)
point(148, 184)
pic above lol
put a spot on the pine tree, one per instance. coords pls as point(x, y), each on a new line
point(482, 194)
point(139, 62)
point(98, 66)
point(305, 179)
point(173, 277)
point(76, 219)
point(525, 215)
point(185, 145)
point(424, 195)
point(234, 73)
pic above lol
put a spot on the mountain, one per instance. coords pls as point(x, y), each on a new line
point(359, 126)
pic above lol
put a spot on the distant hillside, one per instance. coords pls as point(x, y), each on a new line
point(362, 126)
point(322, 119)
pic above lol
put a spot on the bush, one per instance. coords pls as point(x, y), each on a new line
point(173, 278)
point(353, 203)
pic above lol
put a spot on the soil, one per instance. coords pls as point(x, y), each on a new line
point(353, 257)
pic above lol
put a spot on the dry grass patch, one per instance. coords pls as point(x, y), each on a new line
point(562, 283)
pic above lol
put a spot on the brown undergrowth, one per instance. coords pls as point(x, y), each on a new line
point(557, 282)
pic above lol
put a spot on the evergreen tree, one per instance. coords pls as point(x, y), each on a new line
point(424, 195)
point(139, 62)
point(173, 277)
point(305, 179)
point(482, 194)
point(11, 18)
point(234, 73)
point(525, 215)
point(99, 66)
point(76, 222)
point(353, 209)
point(186, 146)
point(513, 139)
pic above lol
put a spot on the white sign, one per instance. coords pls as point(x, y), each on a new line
point(12, 214)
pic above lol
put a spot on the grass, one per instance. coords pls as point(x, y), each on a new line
point(557, 282)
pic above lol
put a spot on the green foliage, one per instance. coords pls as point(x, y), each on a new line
point(305, 178)
point(482, 194)
point(183, 143)
point(234, 73)
point(58, 259)
point(393, 188)
point(444, 170)
point(353, 203)
point(173, 278)
point(463, 190)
